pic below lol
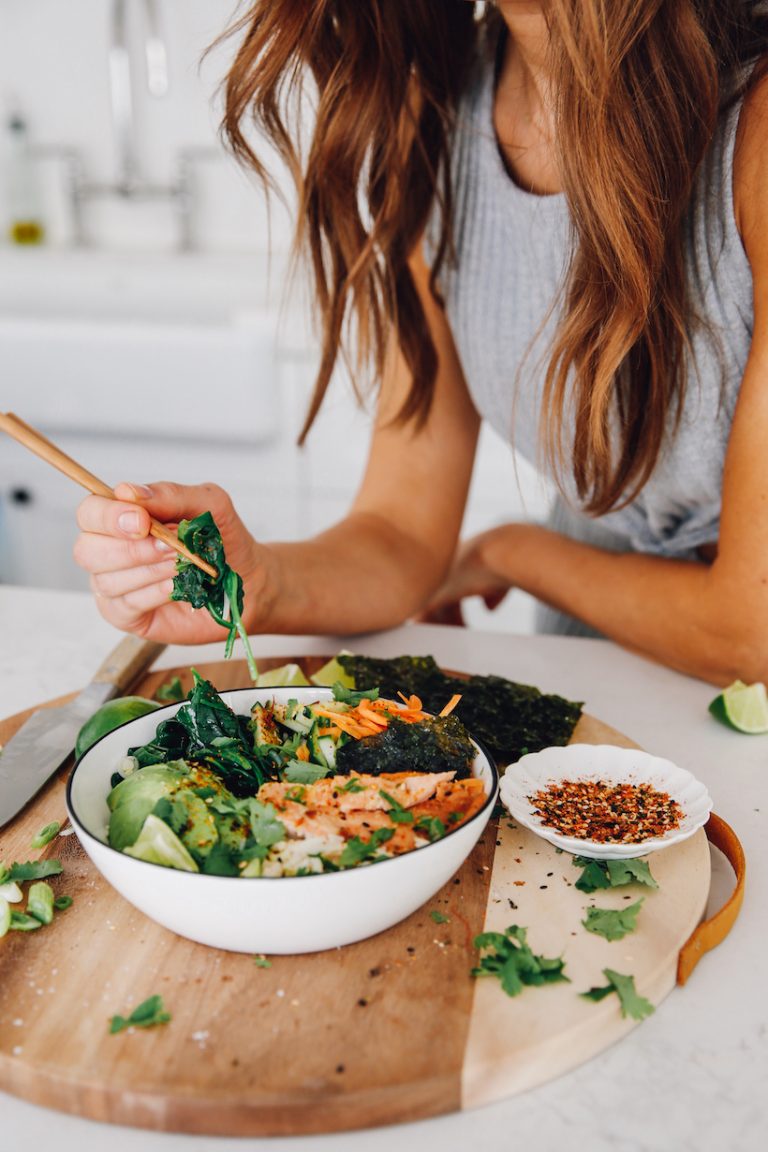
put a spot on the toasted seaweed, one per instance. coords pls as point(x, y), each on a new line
point(507, 718)
point(437, 744)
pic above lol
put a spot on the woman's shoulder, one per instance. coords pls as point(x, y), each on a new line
point(750, 163)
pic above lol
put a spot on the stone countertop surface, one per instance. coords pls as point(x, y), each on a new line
point(691, 1078)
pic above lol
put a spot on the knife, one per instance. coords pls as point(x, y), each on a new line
point(47, 738)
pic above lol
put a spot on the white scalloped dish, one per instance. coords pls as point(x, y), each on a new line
point(613, 765)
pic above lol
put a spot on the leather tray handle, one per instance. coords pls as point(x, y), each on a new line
point(713, 931)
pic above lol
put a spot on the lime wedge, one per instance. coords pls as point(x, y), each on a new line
point(159, 844)
point(332, 672)
point(110, 716)
point(743, 707)
point(286, 676)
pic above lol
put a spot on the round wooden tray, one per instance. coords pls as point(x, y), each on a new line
point(391, 1029)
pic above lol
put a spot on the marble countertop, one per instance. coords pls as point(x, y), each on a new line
point(691, 1077)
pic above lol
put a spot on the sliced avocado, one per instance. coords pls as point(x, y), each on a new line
point(159, 844)
point(200, 833)
point(157, 780)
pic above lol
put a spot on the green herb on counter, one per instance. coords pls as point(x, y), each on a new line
point(624, 986)
point(145, 1015)
point(222, 596)
point(34, 870)
point(438, 917)
point(612, 923)
point(46, 834)
point(612, 873)
point(262, 962)
point(509, 958)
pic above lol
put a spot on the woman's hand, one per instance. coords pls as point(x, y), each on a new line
point(132, 573)
point(470, 575)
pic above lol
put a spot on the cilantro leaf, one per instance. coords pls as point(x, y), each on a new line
point(349, 696)
point(171, 692)
point(262, 962)
point(612, 873)
point(144, 1015)
point(431, 826)
point(509, 958)
point(34, 870)
point(357, 851)
point(613, 923)
point(628, 871)
point(353, 785)
point(303, 772)
point(624, 986)
point(396, 813)
point(439, 918)
point(266, 828)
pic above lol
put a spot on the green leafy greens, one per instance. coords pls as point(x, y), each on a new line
point(509, 958)
point(624, 986)
point(222, 596)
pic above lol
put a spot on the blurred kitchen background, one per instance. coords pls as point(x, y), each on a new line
point(145, 322)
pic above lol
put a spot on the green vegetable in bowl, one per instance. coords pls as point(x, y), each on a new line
point(110, 716)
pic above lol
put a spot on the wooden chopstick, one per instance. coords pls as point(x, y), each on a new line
point(35, 441)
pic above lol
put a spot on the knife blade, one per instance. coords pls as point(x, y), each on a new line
point(47, 738)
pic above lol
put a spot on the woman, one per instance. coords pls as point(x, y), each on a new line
point(548, 217)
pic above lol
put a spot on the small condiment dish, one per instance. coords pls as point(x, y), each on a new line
point(612, 765)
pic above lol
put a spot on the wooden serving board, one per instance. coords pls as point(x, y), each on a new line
point(391, 1029)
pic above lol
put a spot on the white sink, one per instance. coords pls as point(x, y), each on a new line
point(171, 345)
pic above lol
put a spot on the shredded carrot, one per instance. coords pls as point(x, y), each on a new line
point(302, 752)
point(450, 705)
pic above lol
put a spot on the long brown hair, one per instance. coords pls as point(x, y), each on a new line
point(640, 85)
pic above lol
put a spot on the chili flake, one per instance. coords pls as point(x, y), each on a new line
point(606, 813)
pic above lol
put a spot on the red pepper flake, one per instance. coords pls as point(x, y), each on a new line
point(606, 813)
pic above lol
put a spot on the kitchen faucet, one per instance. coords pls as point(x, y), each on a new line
point(122, 88)
point(129, 183)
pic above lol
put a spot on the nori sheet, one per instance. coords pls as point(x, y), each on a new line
point(507, 718)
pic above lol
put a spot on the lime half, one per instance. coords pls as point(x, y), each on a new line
point(286, 676)
point(110, 716)
point(743, 707)
point(331, 673)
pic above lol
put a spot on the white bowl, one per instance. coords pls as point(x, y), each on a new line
point(615, 766)
point(286, 914)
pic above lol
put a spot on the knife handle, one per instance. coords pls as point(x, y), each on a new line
point(127, 661)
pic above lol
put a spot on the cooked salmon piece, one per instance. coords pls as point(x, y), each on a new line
point(406, 789)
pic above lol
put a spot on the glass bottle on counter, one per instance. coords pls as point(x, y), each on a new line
point(24, 216)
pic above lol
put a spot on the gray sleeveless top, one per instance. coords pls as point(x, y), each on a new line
point(511, 251)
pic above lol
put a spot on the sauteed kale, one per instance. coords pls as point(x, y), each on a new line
point(222, 596)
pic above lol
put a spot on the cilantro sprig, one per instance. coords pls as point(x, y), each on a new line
point(637, 1007)
point(613, 923)
point(598, 874)
point(509, 958)
point(144, 1015)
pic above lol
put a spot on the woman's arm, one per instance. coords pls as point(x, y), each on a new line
point(708, 620)
point(373, 570)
